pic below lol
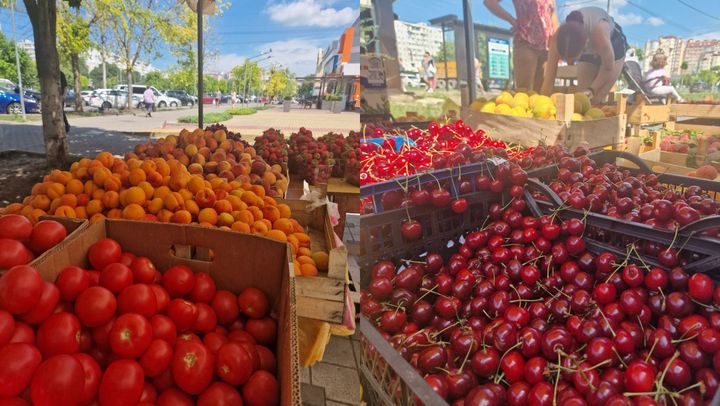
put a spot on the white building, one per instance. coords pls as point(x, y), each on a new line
point(93, 59)
point(413, 40)
point(698, 54)
point(674, 49)
point(28, 46)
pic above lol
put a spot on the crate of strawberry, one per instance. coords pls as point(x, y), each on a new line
point(114, 319)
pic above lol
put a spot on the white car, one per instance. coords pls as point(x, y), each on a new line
point(161, 101)
point(105, 99)
point(86, 94)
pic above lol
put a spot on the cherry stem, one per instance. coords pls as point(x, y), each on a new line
point(659, 382)
point(427, 292)
point(557, 380)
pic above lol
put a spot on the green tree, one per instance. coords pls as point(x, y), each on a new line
point(683, 68)
point(446, 53)
point(73, 40)
point(8, 70)
point(112, 74)
point(246, 77)
point(157, 79)
point(280, 83)
point(306, 88)
point(133, 27)
point(640, 53)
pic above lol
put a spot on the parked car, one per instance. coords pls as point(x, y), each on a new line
point(10, 100)
point(161, 100)
point(85, 94)
point(208, 99)
point(105, 99)
point(699, 86)
point(183, 96)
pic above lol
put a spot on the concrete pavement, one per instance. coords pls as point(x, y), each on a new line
point(119, 133)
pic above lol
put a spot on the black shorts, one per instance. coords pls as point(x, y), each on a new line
point(619, 45)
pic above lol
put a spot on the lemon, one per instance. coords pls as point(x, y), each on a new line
point(503, 109)
point(505, 98)
point(577, 117)
point(488, 107)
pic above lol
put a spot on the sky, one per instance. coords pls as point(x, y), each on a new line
point(641, 20)
point(293, 29)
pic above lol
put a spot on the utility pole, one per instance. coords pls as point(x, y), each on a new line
point(608, 6)
point(17, 58)
point(469, 49)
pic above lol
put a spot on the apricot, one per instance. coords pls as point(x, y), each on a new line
point(74, 186)
point(192, 207)
point(134, 195)
point(308, 270)
point(223, 206)
point(111, 200)
point(94, 206)
point(133, 211)
point(205, 198)
point(208, 215)
point(225, 219)
point(259, 227)
point(271, 213)
point(284, 210)
point(283, 225)
point(68, 200)
point(240, 226)
point(155, 205)
point(113, 183)
point(180, 217)
point(321, 260)
point(136, 176)
point(105, 158)
point(65, 211)
point(55, 190)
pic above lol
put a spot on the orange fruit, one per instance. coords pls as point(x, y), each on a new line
point(303, 259)
point(308, 270)
point(304, 251)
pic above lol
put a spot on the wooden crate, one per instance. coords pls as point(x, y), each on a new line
point(641, 114)
point(608, 131)
point(704, 126)
point(347, 197)
point(695, 110)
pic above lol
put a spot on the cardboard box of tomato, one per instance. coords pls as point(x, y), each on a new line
point(237, 261)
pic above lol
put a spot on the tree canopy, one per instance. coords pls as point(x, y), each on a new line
point(8, 70)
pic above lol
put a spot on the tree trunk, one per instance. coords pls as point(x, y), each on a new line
point(43, 15)
point(129, 72)
point(75, 62)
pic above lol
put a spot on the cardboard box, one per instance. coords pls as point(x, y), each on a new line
point(240, 261)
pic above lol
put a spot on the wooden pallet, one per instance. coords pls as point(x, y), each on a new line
point(320, 298)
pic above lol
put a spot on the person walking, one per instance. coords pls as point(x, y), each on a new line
point(590, 37)
point(657, 80)
point(218, 97)
point(429, 70)
point(535, 22)
point(63, 92)
point(149, 100)
point(234, 98)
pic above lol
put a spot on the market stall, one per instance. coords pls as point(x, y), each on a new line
point(502, 273)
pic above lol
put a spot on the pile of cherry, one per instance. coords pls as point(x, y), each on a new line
point(442, 146)
point(523, 314)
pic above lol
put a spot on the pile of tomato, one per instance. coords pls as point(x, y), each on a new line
point(20, 241)
point(122, 333)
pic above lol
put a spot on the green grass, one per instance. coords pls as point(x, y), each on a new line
point(18, 118)
point(241, 111)
point(207, 118)
point(700, 96)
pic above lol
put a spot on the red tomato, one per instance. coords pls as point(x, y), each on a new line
point(93, 278)
point(174, 397)
point(71, 282)
point(188, 337)
point(59, 381)
point(220, 394)
point(157, 358)
point(226, 307)
point(182, 313)
point(267, 359)
point(130, 336)
point(104, 253)
point(178, 280)
point(206, 320)
point(101, 335)
point(261, 390)
point(95, 306)
point(204, 288)
point(143, 270)
point(45, 235)
point(86, 339)
point(238, 324)
point(15, 226)
point(233, 364)
point(163, 381)
point(137, 298)
point(12, 253)
point(263, 330)
point(161, 297)
point(116, 277)
point(20, 289)
point(14, 402)
point(122, 383)
point(126, 258)
point(163, 328)
point(253, 303)
point(241, 336)
point(23, 334)
point(252, 350)
point(19, 362)
point(7, 327)
point(49, 298)
point(213, 341)
point(192, 367)
point(149, 394)
point(92, 372)
point(59, 335)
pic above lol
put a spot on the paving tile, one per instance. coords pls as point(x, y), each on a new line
point(312, 395)
point(341, 384)
point(304, 375)
point(357, 351)
point(339, 351)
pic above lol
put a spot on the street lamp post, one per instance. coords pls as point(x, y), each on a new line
point(247, 65)
point(17, 59)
